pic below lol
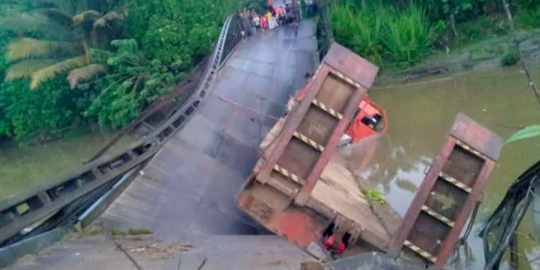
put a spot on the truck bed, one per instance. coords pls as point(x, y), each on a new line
point(338, 191)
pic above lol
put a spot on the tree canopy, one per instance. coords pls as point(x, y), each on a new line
point(69, 62)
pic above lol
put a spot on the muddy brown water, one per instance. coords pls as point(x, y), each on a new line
point(419, 117)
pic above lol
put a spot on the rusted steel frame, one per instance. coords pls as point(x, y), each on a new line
point(478, 137)
point(476, 140)
point(292, 124)
point(447, 246)
point(337, 133)
point(351, 65)
point(420, 199)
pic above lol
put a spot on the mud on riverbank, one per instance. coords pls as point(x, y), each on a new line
point(492, 53)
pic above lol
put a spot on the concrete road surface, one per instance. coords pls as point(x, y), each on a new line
point(190, 186)
point(215, 252)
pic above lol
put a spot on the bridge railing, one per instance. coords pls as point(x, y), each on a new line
point(35, 206)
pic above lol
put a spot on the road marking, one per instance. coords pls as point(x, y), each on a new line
point(309, 141)
point(326, 109)
point(470, 149)
point(419, 251)
point(288, 174)
point(455, 182)
point(438, 216)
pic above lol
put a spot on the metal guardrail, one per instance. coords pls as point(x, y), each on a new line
point(37, 204)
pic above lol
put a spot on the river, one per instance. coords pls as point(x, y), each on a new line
point(24, 167)
point(419, 118)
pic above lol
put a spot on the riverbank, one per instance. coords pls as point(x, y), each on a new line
point(491, 53)
point(26, 166)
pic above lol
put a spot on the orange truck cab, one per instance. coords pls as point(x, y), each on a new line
point(370, 120)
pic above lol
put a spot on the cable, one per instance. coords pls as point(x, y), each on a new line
point(507, 217)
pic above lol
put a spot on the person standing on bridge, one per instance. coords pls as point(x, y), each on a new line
point(271, 20)
point(296, 10)
point(246, 22)
point(256, 21)
point(264, 22)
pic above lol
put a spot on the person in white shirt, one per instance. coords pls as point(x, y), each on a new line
point(256, 21)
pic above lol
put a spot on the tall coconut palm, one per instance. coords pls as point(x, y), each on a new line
point(42, 60)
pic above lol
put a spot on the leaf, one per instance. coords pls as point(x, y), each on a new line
point(50, 72)
point(26, 68)
point(126, 45)
point(33, 48)
point(84, 74)
point(32, 24)
point(525, 133)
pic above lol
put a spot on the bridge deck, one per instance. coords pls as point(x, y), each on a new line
point(190, 186)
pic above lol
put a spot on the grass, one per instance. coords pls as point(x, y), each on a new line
point(374, 195)
point(410, 35)
point(121, 233)
point(118, 233)
point(381, 33)
point(142, 231)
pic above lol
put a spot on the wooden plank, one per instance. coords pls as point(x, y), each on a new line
point(449, 192)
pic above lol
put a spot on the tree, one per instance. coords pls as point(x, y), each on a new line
point(133, 82)
point(42, 60)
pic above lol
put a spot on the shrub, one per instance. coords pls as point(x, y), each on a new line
point(362, 31)
point(510, 59)
point(410, 36)
point(528, 19)
point(42, 111)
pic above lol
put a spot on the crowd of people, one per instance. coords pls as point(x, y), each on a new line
point(274, 17)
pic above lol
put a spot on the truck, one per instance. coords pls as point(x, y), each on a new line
point(302, 187)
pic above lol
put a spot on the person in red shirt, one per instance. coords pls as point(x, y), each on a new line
point(264, 22)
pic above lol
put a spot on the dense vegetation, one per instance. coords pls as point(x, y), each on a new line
point(402, 32)
point(70, 63)
point(66, 63)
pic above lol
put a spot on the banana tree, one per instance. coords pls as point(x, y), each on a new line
point(42, 60)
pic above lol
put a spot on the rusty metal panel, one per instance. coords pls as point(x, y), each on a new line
point(448, 193)
point(278, 193)
point(351, 65)
point(314, 128)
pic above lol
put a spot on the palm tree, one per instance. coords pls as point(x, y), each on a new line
point(42, 60)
